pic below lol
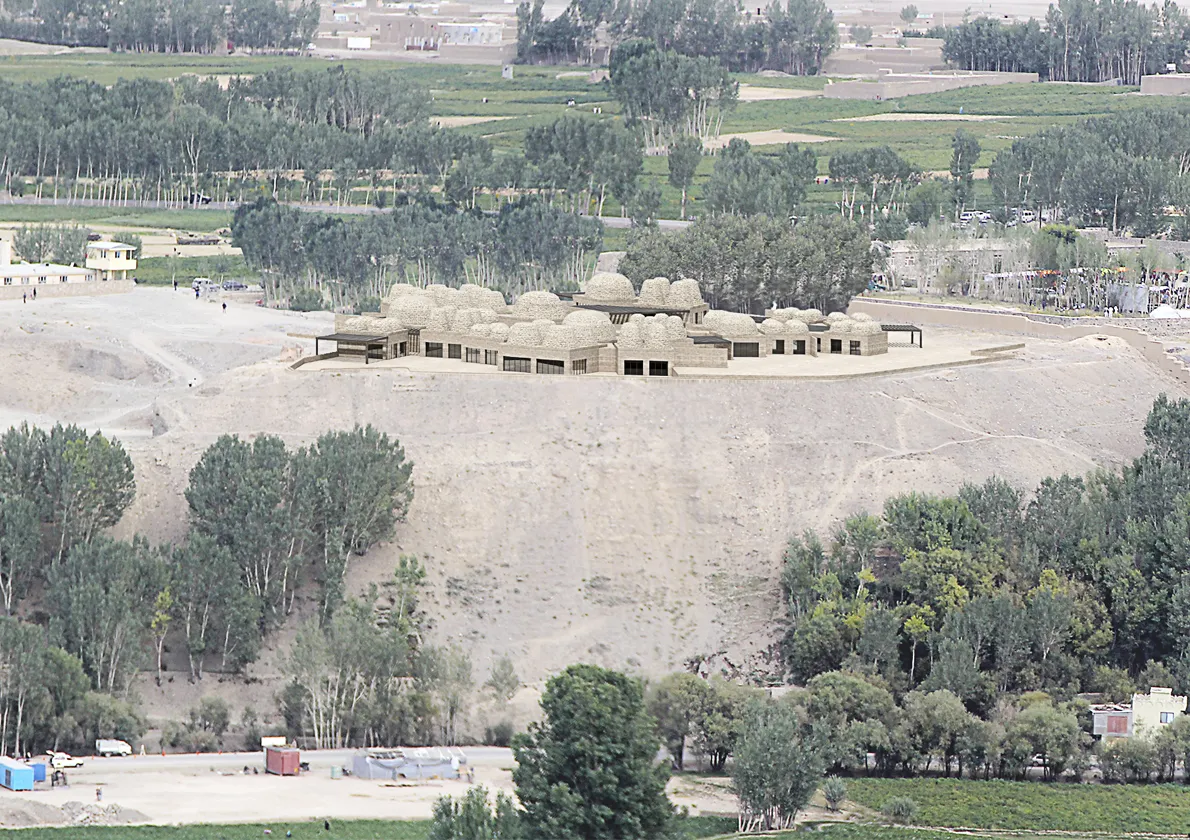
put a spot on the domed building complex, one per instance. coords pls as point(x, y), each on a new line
point(606, 328)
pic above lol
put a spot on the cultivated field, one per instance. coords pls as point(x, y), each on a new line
point(772, 110)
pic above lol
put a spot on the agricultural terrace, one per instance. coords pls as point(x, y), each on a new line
point(770, 111)
point(1001, 805)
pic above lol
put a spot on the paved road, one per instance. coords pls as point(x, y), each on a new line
point(479, 756)
point(350, 209)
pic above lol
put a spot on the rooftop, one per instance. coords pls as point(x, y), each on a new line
point(41, 270)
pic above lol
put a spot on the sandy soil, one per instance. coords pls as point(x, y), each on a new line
point(638, 525)
point(214, 789)
point(160, 244)
point(759, 93)
point(901, 117)
point(8, 46)
point(770, 137)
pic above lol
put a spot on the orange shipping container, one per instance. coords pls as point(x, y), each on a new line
point(282, 761)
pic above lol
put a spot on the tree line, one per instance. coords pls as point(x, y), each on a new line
point(163, 26)
point(1079, 41)
point(749, 264)
point(1117, 171)
point(527, 245)
point(794, 37)
point(1085, 587)
point(84, 613)
point(144, 139)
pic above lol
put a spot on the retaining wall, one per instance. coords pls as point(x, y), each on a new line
point(984, 320)
point(58, 290)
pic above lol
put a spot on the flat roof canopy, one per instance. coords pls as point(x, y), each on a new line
point(616, 309)
point(353, 338)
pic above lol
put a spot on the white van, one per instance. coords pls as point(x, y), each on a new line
point(107, 746)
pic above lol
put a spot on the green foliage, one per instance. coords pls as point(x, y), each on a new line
point(500, 734)
point(211, 715)
point(587, 769)
point(62, 244)
point(748, 183)
point(1028, 806)
point(301, 830)
point(778, 766)
point(909, 13)
point(472, 818)
point(102, 595)
point(306, 299)
point(747, 264)
point(834, 790)
point(503, 680)
point(900, 809)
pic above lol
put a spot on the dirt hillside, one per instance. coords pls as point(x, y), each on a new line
point(635, 524)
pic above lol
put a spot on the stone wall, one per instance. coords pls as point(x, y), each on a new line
point(983, 320)
point(57, 290)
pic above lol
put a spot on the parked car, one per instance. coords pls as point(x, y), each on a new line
point(63, 761)
point(234, 286)
point(111, 746)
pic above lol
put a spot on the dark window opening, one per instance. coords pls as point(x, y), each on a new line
point(578, 366)
point(746, 350)
point(836, 345)
point(515, 365)
point(634, 367)
point(403, 348)
point(454, 351)
point(658, 368)
point(854, 348)
point(817, 344)
point(799, 348)
point(780, 348)
point(550, 366)
point(491, 357)
point(433, 349)
point(473, 355)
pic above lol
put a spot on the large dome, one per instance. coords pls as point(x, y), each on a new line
point(605, 287)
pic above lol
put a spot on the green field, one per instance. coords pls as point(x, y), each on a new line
point(191, 220)
point(1161, 809)
point(852, 831)
point(691, 828)
point(536, 96)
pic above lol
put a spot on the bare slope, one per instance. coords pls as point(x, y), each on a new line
point(631, 523)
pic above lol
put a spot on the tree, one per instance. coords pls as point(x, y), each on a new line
point(361, 488)
point(503, 680)
point(834, 790)
point(861, 34)
point(964, 154)
point(587, 769)
point(102, 595)
point(472, 818)
point(20, 536)
point(211, 715)
point(778, 766)
point(909, 14)
point(163, 606)
point(685, 152)
point(676, 702)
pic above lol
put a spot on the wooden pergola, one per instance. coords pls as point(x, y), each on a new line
point(357, 344)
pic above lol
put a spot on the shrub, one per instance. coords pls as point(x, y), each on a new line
point(900, 809)
point(499, 735)
point(306, 300)
point(835, 791)
point(211, 715)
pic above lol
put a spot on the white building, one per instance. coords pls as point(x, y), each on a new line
point(110, 260)
point(36, 274)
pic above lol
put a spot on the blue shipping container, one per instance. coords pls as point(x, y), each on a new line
point(39, 771)
point(15, 775)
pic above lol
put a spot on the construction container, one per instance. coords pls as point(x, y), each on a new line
point(15, 775)
point(39, 771)
point(282, 761)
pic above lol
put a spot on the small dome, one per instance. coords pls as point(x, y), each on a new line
point(654, 292)
point(631, 335)
point(684, 294)
point(525, 334)
point(412, 310)
point(867, 328)
point(842, 325)
point(596, 325)
point(484, 330)
point(543, 305)
point(606, 287)
point(771, 326)
point(730, 324)
point(797, 328)
point(862, 316)
point(500, 331)
point(560, 337)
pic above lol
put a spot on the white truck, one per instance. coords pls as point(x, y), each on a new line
point(108, 747)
